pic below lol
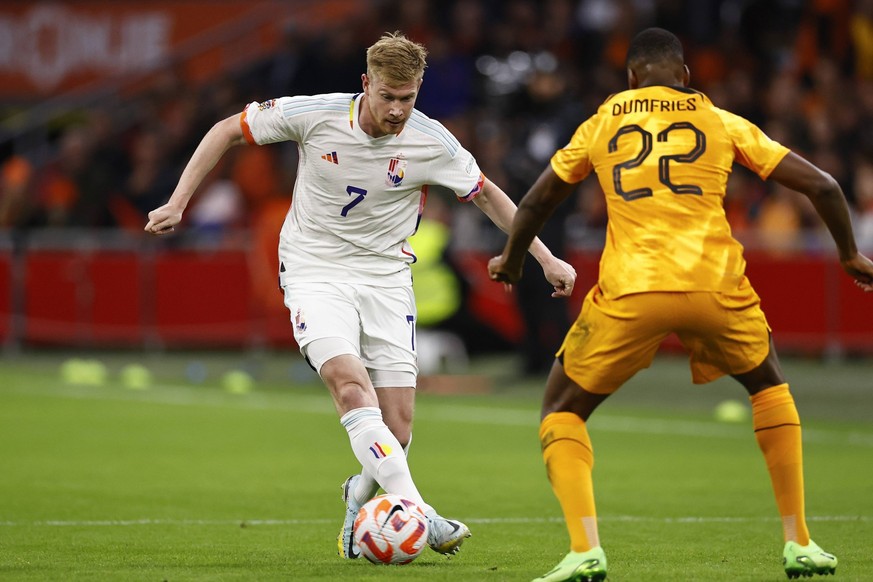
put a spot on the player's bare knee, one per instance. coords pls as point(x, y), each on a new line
point(766, 375)
point(402, 435)
point(571, 398)
point(399, 424)
point(351, 395)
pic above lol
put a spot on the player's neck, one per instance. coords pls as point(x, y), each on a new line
point(658, 74)
point(366, 122)
point(654, 82)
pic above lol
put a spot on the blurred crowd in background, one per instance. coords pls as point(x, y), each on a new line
point(512, 79)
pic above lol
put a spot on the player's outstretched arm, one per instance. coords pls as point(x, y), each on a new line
point(535, 208)
point(221, 137)
point(502, 211)
point(829, 201)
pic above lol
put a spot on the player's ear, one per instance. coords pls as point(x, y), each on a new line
point(632, 81)
point(686, 76)
point(365, 81)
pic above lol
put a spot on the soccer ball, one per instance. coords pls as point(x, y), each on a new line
point(391, 530)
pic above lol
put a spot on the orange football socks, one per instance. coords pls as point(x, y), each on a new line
point(569, 460)
point(777, 430)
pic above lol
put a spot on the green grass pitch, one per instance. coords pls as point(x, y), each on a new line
point(186, 481)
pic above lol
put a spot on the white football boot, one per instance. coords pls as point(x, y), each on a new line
point(345, 541)
point(445, 535)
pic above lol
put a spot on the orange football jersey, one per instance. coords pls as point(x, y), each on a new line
point(663, 156)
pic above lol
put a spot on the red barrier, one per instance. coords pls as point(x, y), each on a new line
point(83, 298)
point(205, 299)
point(794, 293)
point(811, 304)
point(117, 295)
point(202, 298)
point(854, 316)
point(55, 285)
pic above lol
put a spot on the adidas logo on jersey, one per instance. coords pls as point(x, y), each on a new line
point(331, 157)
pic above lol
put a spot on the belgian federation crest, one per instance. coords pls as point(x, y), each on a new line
point(396, 171)
point(300, 321)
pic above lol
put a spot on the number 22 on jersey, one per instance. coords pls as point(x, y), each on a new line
point(663, 162)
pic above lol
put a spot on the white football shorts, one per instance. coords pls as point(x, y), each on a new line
point(376, 324)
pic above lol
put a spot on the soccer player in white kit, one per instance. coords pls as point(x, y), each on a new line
point(366, 164)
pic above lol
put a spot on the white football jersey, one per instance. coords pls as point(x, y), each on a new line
point(357, 199)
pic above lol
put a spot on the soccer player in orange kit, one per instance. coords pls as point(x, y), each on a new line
point(662, 153)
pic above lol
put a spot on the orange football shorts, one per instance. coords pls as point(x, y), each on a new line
point(613, 339)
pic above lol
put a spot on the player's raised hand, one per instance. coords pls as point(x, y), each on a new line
point(561, 275)
point(162, 220)
point(861, 269)
point(499, 271)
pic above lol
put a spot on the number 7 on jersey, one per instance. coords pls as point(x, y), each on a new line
point(352, 190)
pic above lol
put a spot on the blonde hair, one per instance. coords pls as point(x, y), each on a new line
point(396, 60)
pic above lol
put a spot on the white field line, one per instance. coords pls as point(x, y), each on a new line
point(181, 395)
point(479, 520)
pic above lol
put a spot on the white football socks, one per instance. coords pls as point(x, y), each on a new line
point(379, 452)
point(367, 486)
